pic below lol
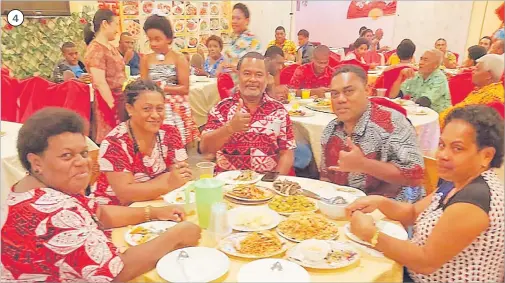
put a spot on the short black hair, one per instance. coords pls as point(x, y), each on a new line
point(214, 38)
point(134, 89)
point(406, 49)
point(67, 44)
point(242, 7)
point(487, 37)
point(475, 52)
point(348, 68)
point(443, 39)
point(360, 41)
point(362, 34)
point(488, 126)
point(159, 23)
point(280, 28)
point(361, 29)
point(303, 32)
point(34, 135)
point(252, 55)
point(273, 50)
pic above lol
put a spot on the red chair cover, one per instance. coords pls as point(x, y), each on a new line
point(37, 93)
point(457, 56)
point(387, 78)
point(460, 86)
point(9, 97)
point(388, 54)
point(498, 106)
point(287, 73)
point(224, 85)
point(334, 59)
point(315, 43)
point(390, 104)
point(365, 67)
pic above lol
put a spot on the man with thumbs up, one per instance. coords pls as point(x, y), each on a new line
point(250, 130)
point(368, 146)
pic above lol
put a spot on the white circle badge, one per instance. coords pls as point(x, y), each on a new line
point(15, 18)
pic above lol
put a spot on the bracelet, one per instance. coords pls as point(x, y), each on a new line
point(147, 213)
point(375, 239)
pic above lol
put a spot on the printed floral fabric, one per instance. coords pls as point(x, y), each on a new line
point(257, 149)
point(241, 45)
point(435, 87)
point(212, 68)
point(50, 236)
point(289, 47)
point(117, 155)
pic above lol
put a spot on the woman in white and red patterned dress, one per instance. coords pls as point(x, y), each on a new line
point(53, 233)
point(170, 70)
point(459, 229)
point(142, 158)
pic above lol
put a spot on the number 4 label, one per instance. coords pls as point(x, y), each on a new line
point(15, 18)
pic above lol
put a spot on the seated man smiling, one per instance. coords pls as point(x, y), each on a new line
point(250, 130)
point(369, 147)
point(316, 75)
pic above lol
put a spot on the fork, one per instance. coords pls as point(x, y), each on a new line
point(180, 260)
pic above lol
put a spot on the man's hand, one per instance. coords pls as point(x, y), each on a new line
point(319, 92)
point(350, 161)
point(281, 92)
point(240, 121)
point(406, 74)
point(85, 78)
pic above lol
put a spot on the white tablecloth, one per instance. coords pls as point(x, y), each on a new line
point(310, 129)
point(12, 170)
point(202, 97)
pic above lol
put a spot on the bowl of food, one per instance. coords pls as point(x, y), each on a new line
point(335, 209)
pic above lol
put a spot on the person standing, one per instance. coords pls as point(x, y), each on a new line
point(287, 46)
point(107, 70)
point(170, 70)
point(131, 58)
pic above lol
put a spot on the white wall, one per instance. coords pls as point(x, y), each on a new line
point(266, 16)
point(327, 23)
point(426, 21)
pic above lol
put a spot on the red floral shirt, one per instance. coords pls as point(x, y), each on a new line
point(50, 236)
point(382, 134)
point(304, 77)
point(117, 155)
point(257, 149)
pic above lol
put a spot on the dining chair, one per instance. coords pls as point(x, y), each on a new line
point(460, 86)
point(287, 73)
point(224, 85)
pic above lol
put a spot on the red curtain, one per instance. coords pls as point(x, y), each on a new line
point(9, 97)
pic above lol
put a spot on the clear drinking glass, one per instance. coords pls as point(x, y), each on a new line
point(219, 227)
point(206, 169)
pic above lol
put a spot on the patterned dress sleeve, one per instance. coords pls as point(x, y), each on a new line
point(173, 141)
point(215, 120)
point(286, 138)
point(113, 156)
point(297, 78)
point(403, 150)
point(95, 57)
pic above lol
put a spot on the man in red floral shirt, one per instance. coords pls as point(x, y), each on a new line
point(250, 130)
point(369, 147)
point(315, 75)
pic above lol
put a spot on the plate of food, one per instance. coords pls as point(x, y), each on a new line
point(403, 102)
point(304, 226)
point(240, 177)
point(179, 26)
point(248, 193)
point(147, 7)
point(145, 232)
point(214, 9)
point(133, 27)
point(321, 103)
point(191, 10)
point(253, 219)
point(388, 228)
point(192, 42)
point(286, 187)
point(324, 189)
point(130, 8)
point(204, 25)
point(192, 25)
point(287, 205)
point(224, 24)
point(164, 8)
point(321, 254)
point(214, 24)
point(178, 196)
point(300, 113)
point(253, 245)
point(178, 10)
point(204, 11)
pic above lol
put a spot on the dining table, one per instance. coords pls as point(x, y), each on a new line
point(372, 266)
point(309, 129)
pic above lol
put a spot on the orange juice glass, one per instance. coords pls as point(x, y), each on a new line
point(206, 170)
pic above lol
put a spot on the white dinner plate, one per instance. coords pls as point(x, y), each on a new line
point(267, 270)
point(297, 255)
point(305, 101)
point(229, 176)
point(388, 228)
point(308, 113)
point(228, 246)
point(157, 227)
point(324, 189)
point(202, 265)
point(268, 194)
point(260, 218)
point(178, 196)
point(299, 241)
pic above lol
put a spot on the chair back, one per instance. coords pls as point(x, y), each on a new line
point(498, 106)
point(460, 86)
point(334, 59)
point(224, 85)
point(390, 104)
point(388, 78)
point(355, 62)
point(430, 174)
point(9, 93)
point(388, 54)
point(457, 56)
point(287, 73)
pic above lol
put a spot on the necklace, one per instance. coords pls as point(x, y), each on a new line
point(136, 151)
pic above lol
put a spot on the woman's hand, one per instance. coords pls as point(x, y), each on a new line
point(171, 212)
point(188, 234)
point(200, 72)
point(180, 174)
point(363, 226)
point(366, 205)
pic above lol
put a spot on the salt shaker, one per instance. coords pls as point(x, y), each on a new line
point(219, 226)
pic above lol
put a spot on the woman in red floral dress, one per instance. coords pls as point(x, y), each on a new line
point(142, 158)
point(53, 233)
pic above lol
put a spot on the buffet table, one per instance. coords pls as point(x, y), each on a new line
point(370, 268)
